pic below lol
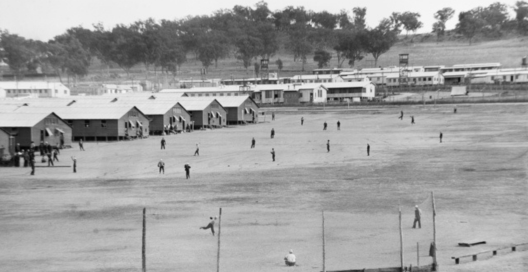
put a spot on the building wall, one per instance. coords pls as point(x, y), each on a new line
point(38, 133)
point(291, 97)
point(320, 95)
point(133, 115)
point(215, 121)
point(94, 128)
point(249, 116)
point(306, 95)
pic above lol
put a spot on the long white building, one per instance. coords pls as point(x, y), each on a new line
point(34, 89)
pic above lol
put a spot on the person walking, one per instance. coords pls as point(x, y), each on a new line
point(302, 121)
point(455, 110)
point(325, 125)
point(81, 146)
point(163, 142)
point(289, 260)
point(253, 143)
point(187, 171)
point(74, 164)
point(338, 125)
point(32, 162)
point(272, 133)
point(161, 166)
point(417, 217)
point(441, 136)
point(328, 146)
point(50, 159)
point(412, 120)
point(273, 154)
point(210, 225)
point(272, 116)
point(55, 155)
point(401, 115)
point(197, 152)
point(368, 150)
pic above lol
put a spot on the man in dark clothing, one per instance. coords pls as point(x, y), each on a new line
point(272, 133)
point(162, 143)
point(81, 147)
point(74, 164)
point(41, 148)
point(338, 125)
point(302, 121)
point(210, 225)
point(417, 217)
point(273, 154)
point(49, 147)
point(455, 110)
point(401, 115)
point(62, 141)
point(441, 136)
point(412, 119)
point(32, 162)
point(273, 116)
point(253, 143)
point(368, 150)
point(325, 125)
point(55, 154)
point(50, 159)
point(187, 171)
point(161, 166)
point(328, 146)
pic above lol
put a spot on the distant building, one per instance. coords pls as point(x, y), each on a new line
point(317, 78)
point(35, 125)
point(205, 113)
point(34, 89)
point(240, 109)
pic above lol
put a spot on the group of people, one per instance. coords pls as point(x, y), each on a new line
point(412, 122)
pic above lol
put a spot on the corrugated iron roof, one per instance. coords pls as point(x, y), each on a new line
point(22, 119)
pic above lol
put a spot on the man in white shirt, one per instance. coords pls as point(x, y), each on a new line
point(290, 259)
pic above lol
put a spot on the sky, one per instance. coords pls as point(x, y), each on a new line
point(45, 19)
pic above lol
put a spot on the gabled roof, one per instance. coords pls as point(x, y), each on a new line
point(228, 101)
point(23, 119)
point(194, 104)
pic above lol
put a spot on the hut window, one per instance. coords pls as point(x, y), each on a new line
point(86, 123)
point(103, 123)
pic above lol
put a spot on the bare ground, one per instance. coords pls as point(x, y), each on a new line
point(91, 220)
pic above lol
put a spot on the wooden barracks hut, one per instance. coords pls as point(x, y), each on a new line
point(28, 125)
point(240, 109)
point(106, 122)
point(205, 113)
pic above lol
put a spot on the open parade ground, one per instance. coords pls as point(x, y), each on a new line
point(91, 220)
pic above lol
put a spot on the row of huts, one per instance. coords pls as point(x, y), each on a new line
point(113, 118)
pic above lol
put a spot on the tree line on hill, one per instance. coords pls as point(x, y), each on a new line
point(246, 33)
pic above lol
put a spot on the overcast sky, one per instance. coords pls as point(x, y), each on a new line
point(44, 19)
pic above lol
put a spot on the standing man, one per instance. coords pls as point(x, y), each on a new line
point(412, 120)
point(163, 143)
point(325, 125)
point(61, 141)
point(210, 225)
point(81, 147)
point(417, 217)
point(328, 146)
point(55, 155)
point(273, 154)
point(32, 161)
point(272, 116)
point(161, 166)
point(401, 115)
point(441, 136)
point(272, 133)
point(338, 125)
point(455, 110)
point(253, 143)
point(50, 159)
point(187, 171)
point(368, 150)
point(197, 152)
point(290, 259)
point(74, 164)
point(302, 121)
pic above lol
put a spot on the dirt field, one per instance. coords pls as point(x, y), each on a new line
point(91, 220)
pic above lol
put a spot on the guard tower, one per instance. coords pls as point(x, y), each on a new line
point(403, 65)
point(264, 69)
